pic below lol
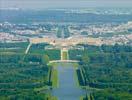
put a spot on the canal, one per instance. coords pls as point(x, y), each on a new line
point(68, 84)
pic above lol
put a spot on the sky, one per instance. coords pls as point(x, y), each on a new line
point(41, 4)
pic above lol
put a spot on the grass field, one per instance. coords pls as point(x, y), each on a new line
point(54, 78)
point(64, 55)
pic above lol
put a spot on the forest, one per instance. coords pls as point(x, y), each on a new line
point(107, 70)
point(24, 76)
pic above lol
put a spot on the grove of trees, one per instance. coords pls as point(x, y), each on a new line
point(107, 68)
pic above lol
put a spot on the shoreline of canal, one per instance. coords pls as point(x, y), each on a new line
point(56, 82)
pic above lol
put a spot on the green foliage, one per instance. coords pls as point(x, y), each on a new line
point(53, 54)
point(13, 47)
point(45, 59)
point(107, 67)
point(10, 58)
point(33, 58)
point(85, 59)
point(39, 49)
point(65, 55)
point(63, 31)
point(111, 95)
point(59, 32)
point(21, 75)
point(66, 32)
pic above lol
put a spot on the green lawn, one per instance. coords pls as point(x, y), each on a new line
point(54, 78)
point(65, 55)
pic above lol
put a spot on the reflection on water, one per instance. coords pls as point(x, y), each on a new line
point(68, 89)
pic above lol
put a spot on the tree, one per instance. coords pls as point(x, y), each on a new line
point(85, 59)
point(59, 33)
point(45, 59)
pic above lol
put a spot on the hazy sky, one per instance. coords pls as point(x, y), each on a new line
point(41, 4)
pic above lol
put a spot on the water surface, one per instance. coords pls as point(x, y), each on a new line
point(68, 88)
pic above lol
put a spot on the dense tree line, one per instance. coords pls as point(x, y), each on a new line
point(108, 68)
point(14, 45)
point(23, 77)
point(39, 49)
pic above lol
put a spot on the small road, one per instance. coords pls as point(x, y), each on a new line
point(28, 47)
point(64, 61)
